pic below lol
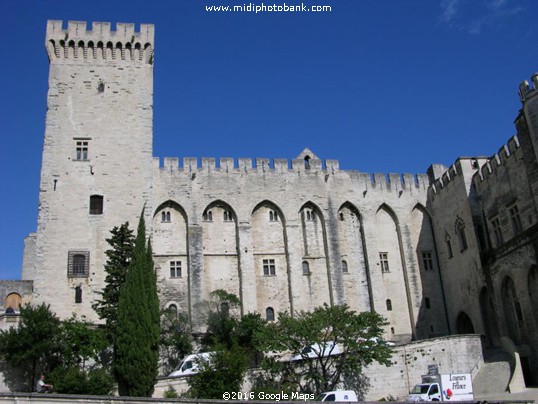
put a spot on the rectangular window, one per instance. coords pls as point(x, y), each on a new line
point(96, 205)
point(78, 264)
point(497, 232)
point(516, 219)
point(82, 150)
point(269, 268)
point(427, 260)
point(384, 261)
point(175, 269)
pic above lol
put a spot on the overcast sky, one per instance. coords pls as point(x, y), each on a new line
point(381, 85)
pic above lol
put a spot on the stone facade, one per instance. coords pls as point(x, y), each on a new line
point(282, 235)
point(485, 216)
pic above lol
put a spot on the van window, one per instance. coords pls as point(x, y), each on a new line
point(187, 365)
point(330, 397)
point(434, 389)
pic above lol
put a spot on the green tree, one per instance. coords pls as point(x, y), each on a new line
point(223, 372)
point(137, 339)
point(119, 257)
point(175, 340)
point(61, 350)
point(339, 343)
point(221, 321)
point(33, 347)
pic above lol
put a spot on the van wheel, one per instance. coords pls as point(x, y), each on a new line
point(435, 399)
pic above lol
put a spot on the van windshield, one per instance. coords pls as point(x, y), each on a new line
point(420, 389)
point(186, 365)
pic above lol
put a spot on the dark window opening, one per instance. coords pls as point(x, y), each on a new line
point(270, 314)
point(78, 294)
point(96, 205)
point(389, 305)
point(78, 264)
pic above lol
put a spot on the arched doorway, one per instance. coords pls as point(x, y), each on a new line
point(464, 325)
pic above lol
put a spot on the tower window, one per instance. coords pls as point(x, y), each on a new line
point(270, 314)
point(310, 215)
point(306, 268)
point(273, 216)
point(460, 231)
point(269, 268)
point(427, 302)
point(175, 269)
point(448, 246)
point(78, 264)
point(165, 217)
point(497, 231)
point(96, 205)
point(516, 219)
point(427, 260)
point(78, 294)
point(82, 150)
point(384, 261)
point(228, 216)
point(344, 266)
point(207, 216)
point(389, 305)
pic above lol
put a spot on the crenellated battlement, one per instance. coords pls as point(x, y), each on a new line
point(246, 164)
point(101, 42)
point(527, 90)
point(302, 167)
point(500, 158)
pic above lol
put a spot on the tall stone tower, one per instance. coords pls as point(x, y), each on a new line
point(97, 156)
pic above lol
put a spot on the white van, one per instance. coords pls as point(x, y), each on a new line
point(313, 351)
point(338, 395)
point(190, 365)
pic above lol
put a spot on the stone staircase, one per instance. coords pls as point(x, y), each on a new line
point(495, 374)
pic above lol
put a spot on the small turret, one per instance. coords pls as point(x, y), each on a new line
point(527, 90)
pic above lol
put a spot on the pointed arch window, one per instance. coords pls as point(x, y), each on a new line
point(460, 231)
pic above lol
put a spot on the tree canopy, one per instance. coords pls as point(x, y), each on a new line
point(41, 344)
point(323, 350)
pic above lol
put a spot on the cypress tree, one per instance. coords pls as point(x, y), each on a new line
point(137, 339)
point(119, 257)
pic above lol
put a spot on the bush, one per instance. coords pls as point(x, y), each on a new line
point(77, 381)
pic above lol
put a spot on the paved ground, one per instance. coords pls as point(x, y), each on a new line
point(528, 394)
